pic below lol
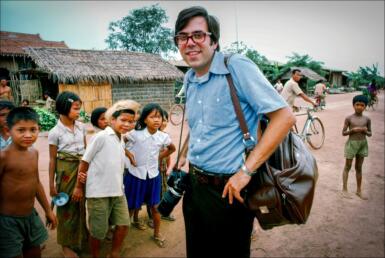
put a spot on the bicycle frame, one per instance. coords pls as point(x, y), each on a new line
point(309, 119)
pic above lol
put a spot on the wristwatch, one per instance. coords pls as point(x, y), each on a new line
point(246, 170)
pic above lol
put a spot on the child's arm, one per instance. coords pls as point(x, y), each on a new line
point(167, 151)
point(51, 169)
point(131, 157)
point(368, 130)
point(78, 192)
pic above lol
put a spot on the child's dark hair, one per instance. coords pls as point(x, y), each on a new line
point(21, 113)
point(95, 115)
point(6, 104)
point(64, 102)
point(26, 101)
point(147, 109)
point(116, 114)
point(165, 115)
point(360, 98)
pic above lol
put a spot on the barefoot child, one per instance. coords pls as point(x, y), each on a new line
point(21, 230)
point(67, 143)
point(144, 179)
point(103, 166)
point(357, 126)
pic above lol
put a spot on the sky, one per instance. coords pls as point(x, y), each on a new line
point(343, 34)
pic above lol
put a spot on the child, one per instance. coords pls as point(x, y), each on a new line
point(98, 119)
point(144, 180)
point(5, 138)
point(25, 103)
point(21, 230)
point(66, 146)
point(357, 126)
point(164, 164)
point(49, 102)
point(103, 163)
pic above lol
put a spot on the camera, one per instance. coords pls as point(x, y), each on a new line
point(177, 183)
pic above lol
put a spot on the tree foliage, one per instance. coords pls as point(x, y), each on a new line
point(305, 61)
point(142, 31)
point(364, 75)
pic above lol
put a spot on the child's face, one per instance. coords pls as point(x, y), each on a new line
point(164, 124)
point(122, 123)
point(75, 110)
point(153, 120)
point(3, 117)
point(102, 121)
point(359, 107)
point(24, 133)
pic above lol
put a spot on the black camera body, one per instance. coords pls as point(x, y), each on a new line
point(177, 184)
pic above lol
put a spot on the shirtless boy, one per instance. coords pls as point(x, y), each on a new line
point(21, 229)
point(357, 126)
point(5, 91)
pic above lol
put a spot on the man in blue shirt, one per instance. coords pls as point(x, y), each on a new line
point(216, 221)
point(5, 138)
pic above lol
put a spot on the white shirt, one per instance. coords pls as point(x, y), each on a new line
point(146, 147)
point(290, 91)
point(319, 89)
point(105, 155)
point(66, 140)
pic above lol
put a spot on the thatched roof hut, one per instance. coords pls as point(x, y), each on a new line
point(306, 72)
point(72, 65)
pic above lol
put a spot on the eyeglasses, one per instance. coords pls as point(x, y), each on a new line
point(196, 37)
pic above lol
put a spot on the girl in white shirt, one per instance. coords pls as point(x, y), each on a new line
point(144, 145)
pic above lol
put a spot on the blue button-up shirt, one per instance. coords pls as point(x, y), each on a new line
point(215, 136)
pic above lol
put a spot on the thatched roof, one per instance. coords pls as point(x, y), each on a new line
point(308, 73)
point(12, 43)
point(73, 65)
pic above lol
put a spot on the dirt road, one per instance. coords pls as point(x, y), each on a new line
point(337, 227)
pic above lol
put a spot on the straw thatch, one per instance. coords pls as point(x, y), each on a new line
point(307, 72)
point(72, 65)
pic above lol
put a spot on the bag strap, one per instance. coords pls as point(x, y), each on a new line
point(248, 140)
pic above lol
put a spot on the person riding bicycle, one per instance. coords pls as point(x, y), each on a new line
point(372, 89)
point(320, 92)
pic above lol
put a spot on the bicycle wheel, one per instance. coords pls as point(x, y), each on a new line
point(176, 114)
point(315, 133)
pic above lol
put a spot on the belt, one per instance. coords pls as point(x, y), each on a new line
point(215, 180)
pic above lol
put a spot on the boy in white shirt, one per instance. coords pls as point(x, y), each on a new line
point(103, 162)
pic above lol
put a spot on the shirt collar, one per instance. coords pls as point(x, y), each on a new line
point(76, 125)
point(147, 134)
point(217, 67)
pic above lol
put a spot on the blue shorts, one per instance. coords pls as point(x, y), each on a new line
point(139, 191)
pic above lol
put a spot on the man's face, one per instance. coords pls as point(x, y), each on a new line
point(197, 55)
point(24, 133)
point(297, 76)
point(3, 82)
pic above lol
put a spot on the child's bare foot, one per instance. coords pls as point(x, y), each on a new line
point(359, 194)
point(69, 253)
point(346, 195)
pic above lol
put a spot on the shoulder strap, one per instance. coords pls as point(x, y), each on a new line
point(237, 106)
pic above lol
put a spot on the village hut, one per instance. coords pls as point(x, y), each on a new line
point(101, 78)
point(309, 78)
point(17, 66)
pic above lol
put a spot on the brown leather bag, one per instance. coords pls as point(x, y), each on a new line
point(282, 190)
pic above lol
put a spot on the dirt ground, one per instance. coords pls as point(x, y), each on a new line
point(337, 226)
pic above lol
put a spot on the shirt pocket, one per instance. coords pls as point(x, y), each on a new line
point(220, 112)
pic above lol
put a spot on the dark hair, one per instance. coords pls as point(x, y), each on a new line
point(165, 114)
point(6, 104)
point(360, 98)
point(187, 14)
point(95, 115)
point(295, 70)
point(116, 114)
point(64, 102)
point(25, 100)
point(21, 113)
point(147, 109)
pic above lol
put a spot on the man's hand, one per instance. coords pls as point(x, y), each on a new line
point(51, 220)
point(234, 186)
point(78, 194)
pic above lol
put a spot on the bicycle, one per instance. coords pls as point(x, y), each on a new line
point(313, 130)
point(176, 111)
